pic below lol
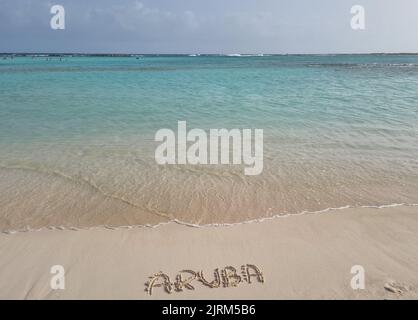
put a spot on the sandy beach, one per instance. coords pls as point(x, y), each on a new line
point(307, 256)
point(208, 150)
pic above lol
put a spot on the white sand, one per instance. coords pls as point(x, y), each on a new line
point(307, 256)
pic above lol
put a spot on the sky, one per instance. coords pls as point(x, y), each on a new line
point(209, 26)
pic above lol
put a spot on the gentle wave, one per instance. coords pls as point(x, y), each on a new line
point(192, 225)
point(87, 69)
point(339, 135)
point(367, 65)
point(245, 55)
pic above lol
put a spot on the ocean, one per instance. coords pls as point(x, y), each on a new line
point(77, 137)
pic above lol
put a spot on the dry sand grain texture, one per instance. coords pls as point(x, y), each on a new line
point(307, 256)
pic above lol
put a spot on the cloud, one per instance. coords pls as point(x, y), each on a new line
point(181, 26)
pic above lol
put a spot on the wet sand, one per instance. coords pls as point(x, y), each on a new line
point(307, 256)
point(40, 197)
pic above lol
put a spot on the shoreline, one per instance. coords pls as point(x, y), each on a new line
point(209, 225)
point(301, 257)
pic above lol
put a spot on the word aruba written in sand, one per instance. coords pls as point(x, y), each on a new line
point(226, 277)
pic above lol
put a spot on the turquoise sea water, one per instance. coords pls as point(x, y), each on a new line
point(338, 130)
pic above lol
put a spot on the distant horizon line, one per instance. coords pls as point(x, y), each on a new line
point(192, 54)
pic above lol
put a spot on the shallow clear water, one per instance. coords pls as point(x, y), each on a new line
point(77, 136)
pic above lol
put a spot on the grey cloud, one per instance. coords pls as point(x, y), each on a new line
point(212, 26)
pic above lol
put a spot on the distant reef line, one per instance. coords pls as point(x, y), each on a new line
point(75, 54)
